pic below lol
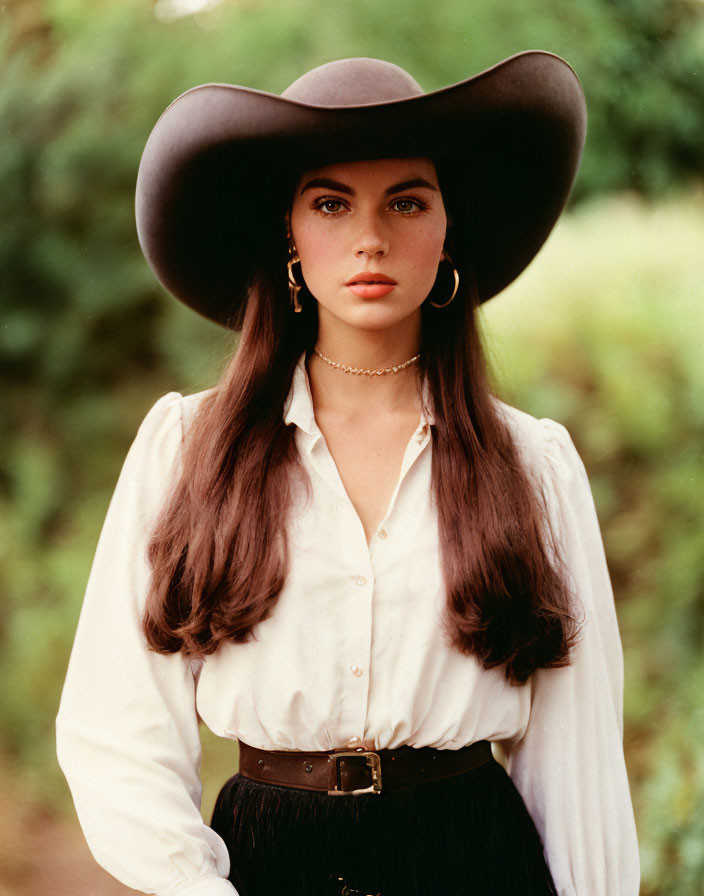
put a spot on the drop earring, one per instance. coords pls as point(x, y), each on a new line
point(293, 286)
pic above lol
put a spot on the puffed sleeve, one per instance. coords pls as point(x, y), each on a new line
point(569, 765)
point(127, 727)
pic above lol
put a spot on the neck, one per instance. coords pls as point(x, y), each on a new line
point(365, 349)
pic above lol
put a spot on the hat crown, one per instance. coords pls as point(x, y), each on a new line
point(353, 82)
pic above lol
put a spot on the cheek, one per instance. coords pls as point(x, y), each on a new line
point(422, 254)
point(315, 249)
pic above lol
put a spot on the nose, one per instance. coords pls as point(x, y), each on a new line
point(371, 238)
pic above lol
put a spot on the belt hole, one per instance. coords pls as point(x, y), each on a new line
point(308, 767)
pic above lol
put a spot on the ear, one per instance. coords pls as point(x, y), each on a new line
point(287, 219)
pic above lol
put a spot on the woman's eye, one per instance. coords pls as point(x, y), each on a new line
point(329, 206)
point(407, 206)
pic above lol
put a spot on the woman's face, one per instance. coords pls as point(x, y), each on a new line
point(370, 236)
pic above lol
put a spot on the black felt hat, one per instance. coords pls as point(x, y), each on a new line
point(216, 173)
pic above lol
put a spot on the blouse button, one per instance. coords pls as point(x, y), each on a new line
point(422, 432)
point(360, 580)
point(356, 671)
point(383, 533)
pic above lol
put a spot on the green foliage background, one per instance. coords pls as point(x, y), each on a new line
point(603, 332)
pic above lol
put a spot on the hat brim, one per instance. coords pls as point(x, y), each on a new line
point(215, 175)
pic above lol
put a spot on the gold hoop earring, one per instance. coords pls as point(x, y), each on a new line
point(293, 287)
point(446, 257)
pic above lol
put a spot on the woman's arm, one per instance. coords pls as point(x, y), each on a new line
point(127, 728)
point(569, 765)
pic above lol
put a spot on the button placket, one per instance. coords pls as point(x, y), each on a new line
point(355, 668)
point(414, 448)
point(356, 638)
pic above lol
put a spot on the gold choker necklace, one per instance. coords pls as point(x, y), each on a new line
point(360, 372)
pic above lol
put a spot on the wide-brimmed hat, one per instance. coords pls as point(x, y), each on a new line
point(218, 169)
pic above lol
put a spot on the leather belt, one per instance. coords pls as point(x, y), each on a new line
point(359, 771)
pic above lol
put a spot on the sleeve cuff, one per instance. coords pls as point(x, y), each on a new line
point(206, 886)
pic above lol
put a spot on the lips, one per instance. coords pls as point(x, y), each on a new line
point(369, 278)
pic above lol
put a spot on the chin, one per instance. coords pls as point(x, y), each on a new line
point(378, 316)
point(376, 322)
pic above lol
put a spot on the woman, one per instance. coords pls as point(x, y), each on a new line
point(349, 555)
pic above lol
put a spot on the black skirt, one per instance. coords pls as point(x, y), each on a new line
point(470, 835)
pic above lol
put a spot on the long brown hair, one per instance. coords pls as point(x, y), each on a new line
point(219, 551)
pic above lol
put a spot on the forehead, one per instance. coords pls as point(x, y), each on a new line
point(373, 172)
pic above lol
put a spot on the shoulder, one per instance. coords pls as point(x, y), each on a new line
point(171, 416)
point(191, 404)
point(157, 447)
point(544, 445)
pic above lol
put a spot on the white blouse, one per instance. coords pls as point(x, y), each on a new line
point(353, 654)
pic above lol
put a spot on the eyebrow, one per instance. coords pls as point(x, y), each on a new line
point(329, 184)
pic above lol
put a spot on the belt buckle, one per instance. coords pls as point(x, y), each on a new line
point(372, 761)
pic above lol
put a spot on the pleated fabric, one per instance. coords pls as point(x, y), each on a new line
point(470, 835)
